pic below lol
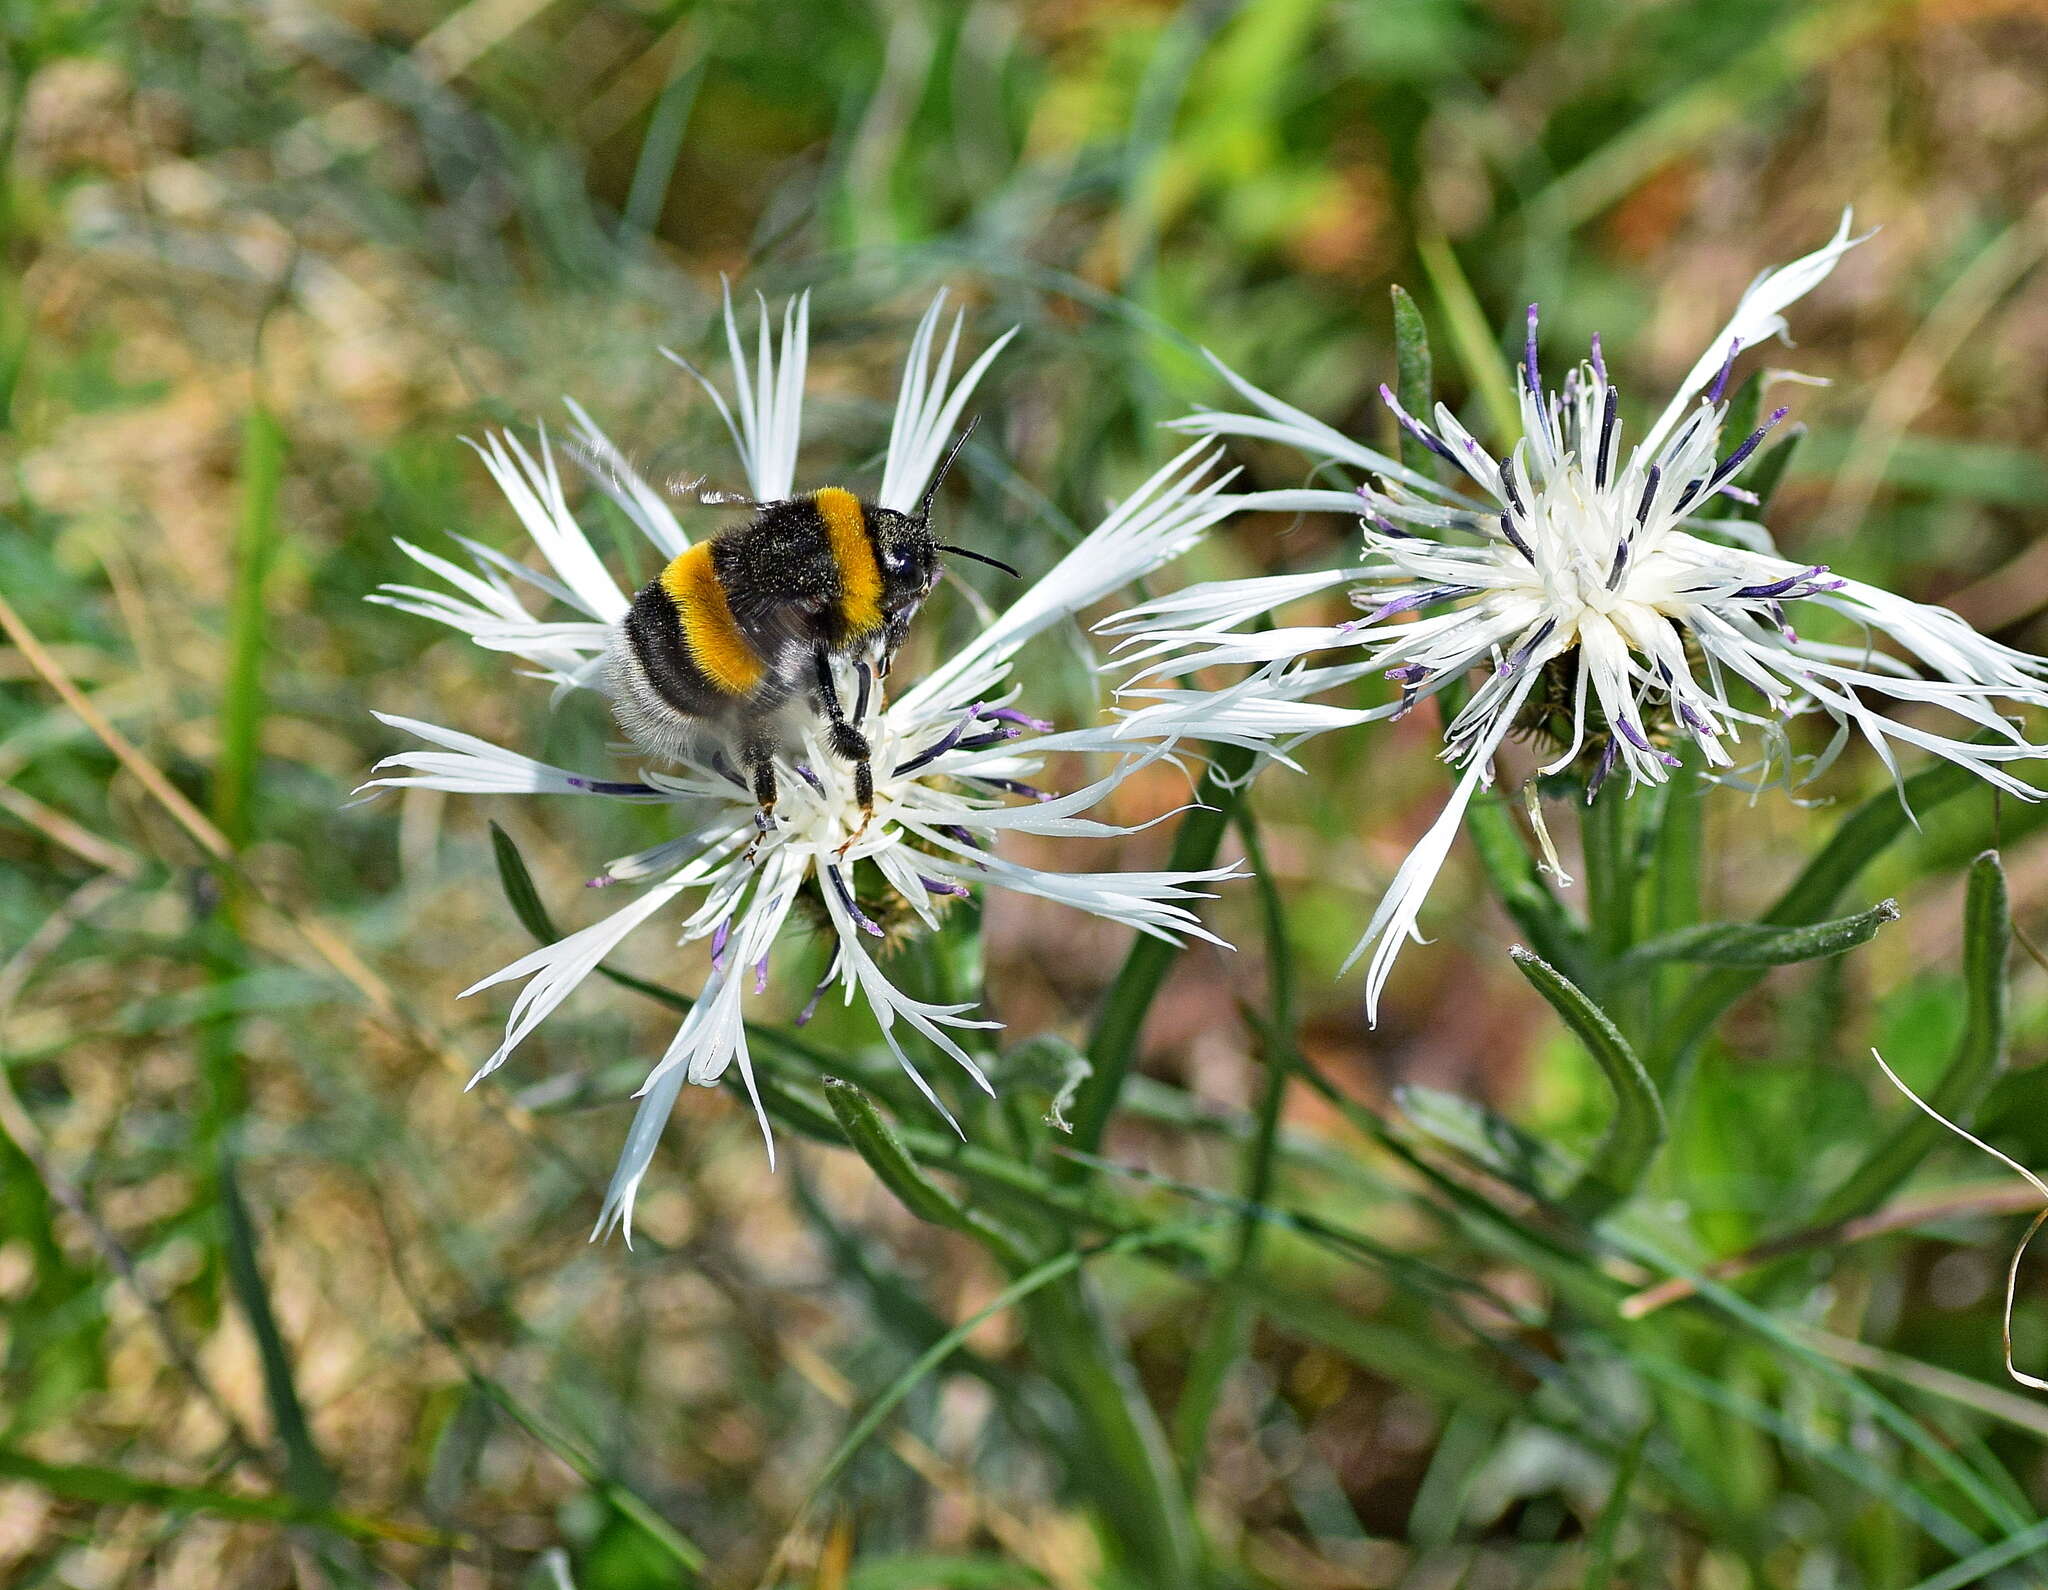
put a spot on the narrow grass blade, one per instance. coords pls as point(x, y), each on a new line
point(1114, 1042)
point(1474, 341)
point(242, 702)
point(110, 1487)
point(1979, 1054)
point(1977, 1568)
point(1227, 1332)
point(306, 1471)
point(1637, 1130)
point(1027, 1284)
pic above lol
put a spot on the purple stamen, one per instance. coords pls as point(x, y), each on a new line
point(1380, 521)
point(1721, 381)
point(811, 1005)
point(1422, 433)
point(603, 786)
point(1599, 361)
point(1012, 715)
point(1011, 786)
point(1600, 773)
point(1632, 734)
point(603, 880)
point(1607, 419)
point(1529, 371)
point(1513, 495)
point(1780, 587)
point(1620, 563)
point(761, 975)
point(1693, 721)
point(955, 831)
point(937, 748)
point(1410, 674)
point(718, 937)
point(1509, 489)
point(1523, 652)
point(804, 772)
point(1426, 597)
point(1735, 459)
point(846, 899)
point(981, 742)
point(941, 886)
point(1649, 494)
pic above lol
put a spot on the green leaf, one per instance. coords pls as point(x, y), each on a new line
point(1115, 1040)
point(519, 890)
point(875, 1140)
point(1762, 943)
point(1863, 834)
point(1979, 1054)
point(1414, 379)
point(1637, 1130)
point(1025, 1286)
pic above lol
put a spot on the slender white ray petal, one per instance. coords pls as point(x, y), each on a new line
point(928, 410)
point(470, 766)
point(1759, 316)
point(534, 489)
point(620, 481)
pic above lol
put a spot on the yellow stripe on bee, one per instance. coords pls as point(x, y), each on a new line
point(860, 580)
point(711, 635)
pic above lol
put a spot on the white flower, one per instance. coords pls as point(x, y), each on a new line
point(1599, 567)
point(953, 759)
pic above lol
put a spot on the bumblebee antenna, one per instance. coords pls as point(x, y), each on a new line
point(924, 509)
point(981, 557)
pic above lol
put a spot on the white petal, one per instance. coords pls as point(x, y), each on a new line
point(1758, 316)
point(927, 411)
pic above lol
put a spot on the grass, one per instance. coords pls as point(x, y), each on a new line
point(279, 1303)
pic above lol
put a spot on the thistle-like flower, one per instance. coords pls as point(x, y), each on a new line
point(953, 758)
point(1601, 589)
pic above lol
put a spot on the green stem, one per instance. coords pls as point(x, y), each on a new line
point(1229, 1326)
point(1672, 899)
point(1128, 1467)
point(1114, 1045)
point(1607, 830)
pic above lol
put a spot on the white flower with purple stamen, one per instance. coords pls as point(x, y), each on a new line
point(954, 760)
point(1605, 568)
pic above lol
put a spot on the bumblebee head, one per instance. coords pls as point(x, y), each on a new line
point(907, 555)
point(908, 551)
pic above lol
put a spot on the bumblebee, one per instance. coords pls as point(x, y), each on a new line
point(744, 627)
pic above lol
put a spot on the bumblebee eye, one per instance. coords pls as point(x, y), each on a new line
point(895, 561)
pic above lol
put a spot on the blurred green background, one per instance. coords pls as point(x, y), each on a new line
point(279, 1304)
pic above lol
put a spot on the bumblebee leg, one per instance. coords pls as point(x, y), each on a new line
point(757, 756)
point(847, 742)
